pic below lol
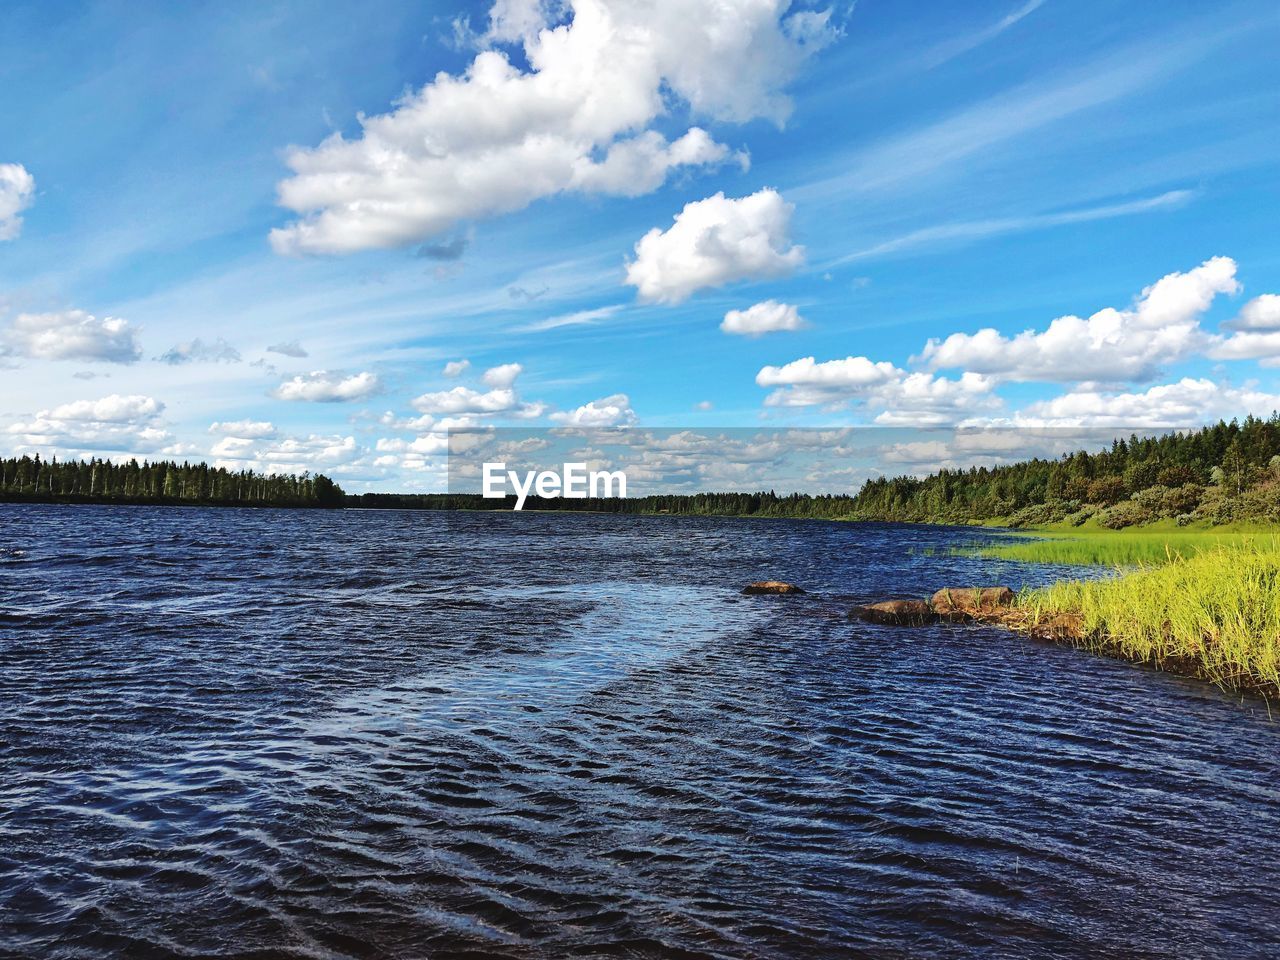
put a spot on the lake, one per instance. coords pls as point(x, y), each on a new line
point(271, 733)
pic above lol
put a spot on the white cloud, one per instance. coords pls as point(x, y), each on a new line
point(333, 454)
point(515, 20)
point(234, 448)
point(1000, 226)
point(463, 401)
point(73, 335)
point(503, 375)
point(1113, 345)
point(249, 429)
point(1257, 335)
point(1187, 403)
point(464, 404)
point(902, 398)
point(497, 137)
point(456, 368)
point(612, 411)
point(322, 386)
point(115, 423)
point(112, 409)
point(712, 242)
point(577, 318)
point(17, 191)
point(197, 351)
point(955, 46)
point(851, 373)
point(764, 317)
point(640, 165)
point(975, 447)
point(1260, 313)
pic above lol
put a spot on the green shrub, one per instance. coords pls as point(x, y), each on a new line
point(1125, 514)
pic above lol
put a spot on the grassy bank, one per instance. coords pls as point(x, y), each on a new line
point(1205, 603)
point(1146, 546)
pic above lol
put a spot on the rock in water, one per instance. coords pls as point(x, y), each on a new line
point(896, 613)
point(771, 586)
point(1068, 627)
point(965, 603)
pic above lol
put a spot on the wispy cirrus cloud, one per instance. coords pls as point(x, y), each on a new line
point(945, 147)
point(577, 318)
point(957, 46)
point(928, 238)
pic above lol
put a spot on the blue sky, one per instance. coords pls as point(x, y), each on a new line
point(759, 214)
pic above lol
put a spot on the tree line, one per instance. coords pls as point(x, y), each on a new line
point(161, 482)
point(1222, 473)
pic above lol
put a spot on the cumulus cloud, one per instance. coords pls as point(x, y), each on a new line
point(114, 423)
point(17, 191)
point(335, 455)
point(903, 399)
point(502, 376)
point(849, 374)
point(288, 348)
point(1257, 333)
point(465, 404)
point(611, 411)
point(463, 401)
point(713, 242)
point(251, 429)
point(1187, 403)
point(497, 137)
point(1162, 327)
point(767, 316)
point(73, 335)
point(1260, 313)
point(197, 351)
point(456, 368)
point(323, 386)
point(112, 409)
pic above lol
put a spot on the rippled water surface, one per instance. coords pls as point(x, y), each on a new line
point(386, 734)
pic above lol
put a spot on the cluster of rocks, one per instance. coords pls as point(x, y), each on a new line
point(949, 605)
point(994, 605)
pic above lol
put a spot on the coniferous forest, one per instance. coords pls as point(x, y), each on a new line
point(160, 482)
point(1228, 472)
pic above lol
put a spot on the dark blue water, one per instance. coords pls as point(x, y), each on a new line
point(383, 734)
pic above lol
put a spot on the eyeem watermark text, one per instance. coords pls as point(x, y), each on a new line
point(574, 482)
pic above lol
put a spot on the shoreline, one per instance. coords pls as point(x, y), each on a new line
point(1231, 639)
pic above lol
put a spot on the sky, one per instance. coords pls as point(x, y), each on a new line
point(319, 236)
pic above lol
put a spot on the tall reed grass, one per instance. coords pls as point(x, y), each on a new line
point(1124, 548)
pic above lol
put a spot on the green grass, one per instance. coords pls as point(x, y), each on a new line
point(1205, 602)
point(1127, 548)
point(1214, 612)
